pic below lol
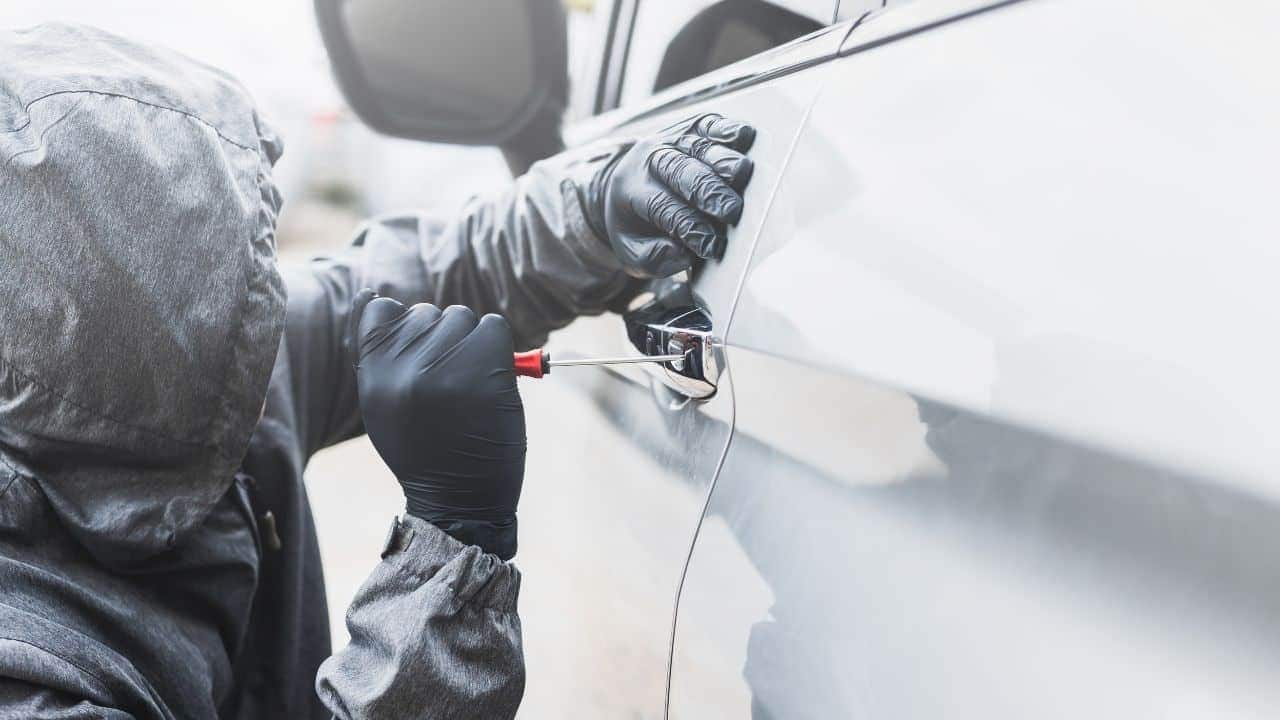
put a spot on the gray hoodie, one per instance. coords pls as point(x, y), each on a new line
point(157, 553)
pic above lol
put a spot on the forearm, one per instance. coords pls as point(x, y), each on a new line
point(526, 253)
point(434, 634)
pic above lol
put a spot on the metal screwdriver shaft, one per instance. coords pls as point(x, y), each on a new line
point(536, 363)
point(616, 360)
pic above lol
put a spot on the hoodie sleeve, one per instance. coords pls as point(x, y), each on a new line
point(526, 253)
point(434, 634)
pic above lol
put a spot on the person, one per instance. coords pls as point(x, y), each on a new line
point(162, 386)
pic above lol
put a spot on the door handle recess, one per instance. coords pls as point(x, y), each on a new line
point(662, 329)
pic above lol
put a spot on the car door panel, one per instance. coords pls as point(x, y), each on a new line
point(618, 478)
point(987, 456)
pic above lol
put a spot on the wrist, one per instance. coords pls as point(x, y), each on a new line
point(589, 245)
point(590, 174)
point(594, 195)
point(494, 537)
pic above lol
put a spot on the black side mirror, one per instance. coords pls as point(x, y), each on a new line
point(473, 72)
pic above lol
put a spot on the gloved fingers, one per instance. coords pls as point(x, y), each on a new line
point(451, 328)
point(737, 135)
point(731, 165)
point(494, 332)
point(420, 320)
point(696, 182)
point(491, 348)
point(659, 256)
point(370, 314)
point(680, 222)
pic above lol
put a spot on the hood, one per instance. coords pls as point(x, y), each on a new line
point(140, 307)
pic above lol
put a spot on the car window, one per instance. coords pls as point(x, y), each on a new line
point(675, 40)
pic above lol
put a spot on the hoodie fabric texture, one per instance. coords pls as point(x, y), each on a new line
point(157, 552)
point(139, 298)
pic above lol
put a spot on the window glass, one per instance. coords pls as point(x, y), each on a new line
point(675, 40)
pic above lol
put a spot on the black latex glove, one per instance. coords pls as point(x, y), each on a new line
point(439, 401)
point(668, 197)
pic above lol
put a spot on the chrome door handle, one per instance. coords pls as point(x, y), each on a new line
point(660, 328)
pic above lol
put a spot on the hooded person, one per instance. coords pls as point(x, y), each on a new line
point(160, 396)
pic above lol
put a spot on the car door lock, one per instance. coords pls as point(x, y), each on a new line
point(661, 328)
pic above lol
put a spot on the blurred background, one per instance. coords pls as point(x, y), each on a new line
point(334, 170)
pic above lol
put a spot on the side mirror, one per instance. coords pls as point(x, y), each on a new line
point(472, 72)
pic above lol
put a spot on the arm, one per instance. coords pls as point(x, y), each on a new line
point(434, 633)
point(525, 253)
point(560, 242)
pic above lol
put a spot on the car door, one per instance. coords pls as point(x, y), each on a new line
point(621, 462)
point(1003, 440)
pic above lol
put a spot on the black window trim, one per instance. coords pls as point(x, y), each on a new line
point(617, 49)
point(622, 26)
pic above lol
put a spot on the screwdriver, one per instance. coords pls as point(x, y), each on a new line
point(537, 362)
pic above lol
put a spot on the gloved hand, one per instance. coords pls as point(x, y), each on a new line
point(667, 198)
point(439, 401)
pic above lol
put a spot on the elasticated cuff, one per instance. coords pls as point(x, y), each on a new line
point(423, 550)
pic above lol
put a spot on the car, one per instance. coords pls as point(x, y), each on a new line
point(977, 419)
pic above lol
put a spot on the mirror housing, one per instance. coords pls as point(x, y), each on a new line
point(471, 72)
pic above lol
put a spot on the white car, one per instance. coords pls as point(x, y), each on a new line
point(981, 422)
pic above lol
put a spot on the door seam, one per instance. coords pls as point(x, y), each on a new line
point(733, 405)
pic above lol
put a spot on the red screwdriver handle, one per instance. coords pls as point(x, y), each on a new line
point(532, 363)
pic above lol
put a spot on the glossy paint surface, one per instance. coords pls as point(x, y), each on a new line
point(1078, 225)
point(1003, 379)
point(868, 553)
